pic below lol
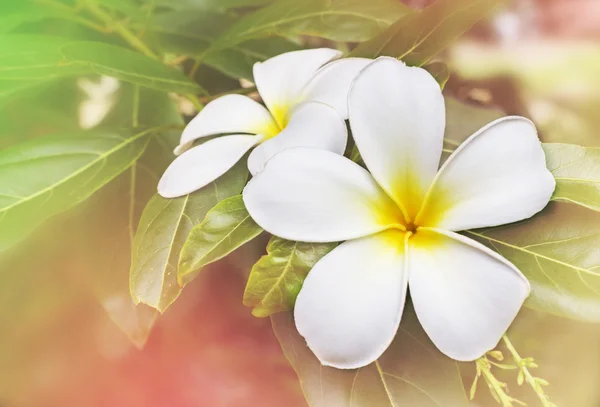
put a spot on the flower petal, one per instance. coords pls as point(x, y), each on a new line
point(203, 164)
point(281, 79)
point(314, 195)
point(351, 303)
point(397, 119)
point(465, 295)
point(497, 176)
point(311, 124)
point(228, 114)
point(331, 83)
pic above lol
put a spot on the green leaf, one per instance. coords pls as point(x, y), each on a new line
point(412, 372)
point(339, 20)
point(418, 37)
point(577, 173)
point(558, 250)
point(15, 13)
point(162, 232)
point(41, 58)
point(226, 227)
point(56, 173)
point(213, 5)
point(191, 33)
point(276, 279)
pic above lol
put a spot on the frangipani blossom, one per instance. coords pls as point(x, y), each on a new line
point(399, 222)
point(306, 104)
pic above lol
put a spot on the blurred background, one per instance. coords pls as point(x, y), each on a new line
point(68, 335)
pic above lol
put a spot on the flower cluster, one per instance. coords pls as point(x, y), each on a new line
point(398, 219)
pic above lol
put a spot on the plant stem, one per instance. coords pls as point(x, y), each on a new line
point(532, 381)
point(119, 28)
point(131, 39)
point(494, 384)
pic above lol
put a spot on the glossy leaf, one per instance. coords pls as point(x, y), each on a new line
point(418, 37)
point(339, 20)
point(412, 372)
point(577, 173)
point(226, 227)
point(56, 173)
point(558, 250)
point(276, 278)
point(163, 229)
point(42, 58)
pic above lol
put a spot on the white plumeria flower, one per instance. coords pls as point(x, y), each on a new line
point(400, 221)
point(307, 105)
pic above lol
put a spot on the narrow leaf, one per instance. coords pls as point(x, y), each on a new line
point(339, 20)
point(41, 58)
point(276, 279)
point(226, 227)
point(164, 228)
point(412, 372)
point(418, 37)
point(56, 173)
point(577, 173)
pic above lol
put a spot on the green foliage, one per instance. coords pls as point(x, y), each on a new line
point(577, 173)
point(418, 37)
point(339, 20)
point(163, 230)
point(411, 372)
point(35, 59)
point(276, 279)
point(55, 173)
point(226, 227)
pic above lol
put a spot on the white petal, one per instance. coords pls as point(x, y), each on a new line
point(397, 119)
point(229, 114)
point(311, 124)
point(313, 195)
point(465, 295)
point(281, 79)
point(351, 303)
point(331, 83)
point(496, 176)
point(203, 164)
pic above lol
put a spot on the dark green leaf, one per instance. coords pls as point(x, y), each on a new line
point(162, 232)
point(226, 227)
point(41, 58)
point(339, 20)
point(276, 279)
point(412, 372)
point(577, 173)
point(418, 37)
point(190, 34)
point(49, 175)
point(558, 250)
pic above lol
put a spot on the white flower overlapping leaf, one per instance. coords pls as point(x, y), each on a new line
point(400, 219)
point(305, 96)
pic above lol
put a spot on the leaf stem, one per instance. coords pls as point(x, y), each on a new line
point(524, 364)
point(497, 388)
point(122, 30)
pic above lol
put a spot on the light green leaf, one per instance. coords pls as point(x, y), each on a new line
point(577, 173)
point(412, 372)
point(213, 5)
point(41, 58)
point(558, 250)
point(15, 13)
point(276, 278)
point(226, 227)
point(339, 20)
point(56, 173)
point(418, 37)
point(162, 232)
